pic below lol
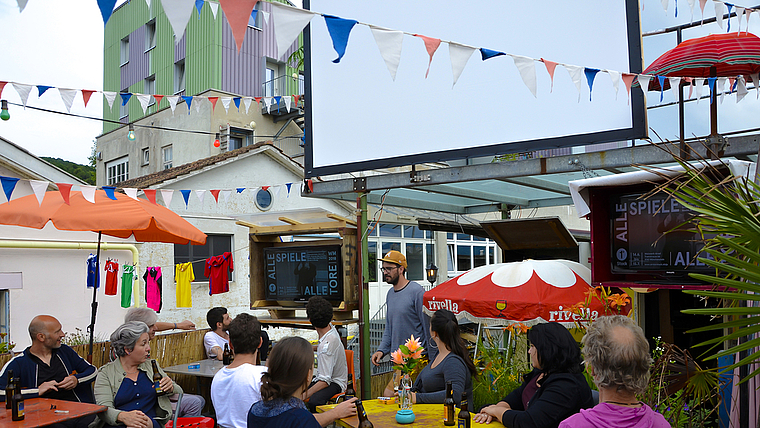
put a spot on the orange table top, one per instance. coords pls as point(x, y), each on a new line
point(384, 416)
point(37, 412)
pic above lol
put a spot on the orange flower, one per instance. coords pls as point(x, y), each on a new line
point(396, 357)
point(416, 355)
point(619, 300)
point(413, 344)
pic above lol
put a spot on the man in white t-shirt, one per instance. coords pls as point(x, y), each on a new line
point(331, 374)
point(237, 386)
point(214, 341)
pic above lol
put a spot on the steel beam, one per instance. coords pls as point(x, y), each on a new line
point(540, 184)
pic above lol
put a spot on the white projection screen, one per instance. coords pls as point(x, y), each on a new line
point(357, 118)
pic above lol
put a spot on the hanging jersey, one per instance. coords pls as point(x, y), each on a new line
point(112, 270)
point(217, 269)
point(183, 274)
point(127, 277)
point(153, 287)
point(93, 276)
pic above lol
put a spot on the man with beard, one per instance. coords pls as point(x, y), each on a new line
point(214, 341)
point(404, 316)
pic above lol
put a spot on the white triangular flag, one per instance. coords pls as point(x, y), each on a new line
point(675, 85)
point(720, 87)
point(67, 96)
point(148, 3)
point(664, 4)
point(754, 78)
point(527, 68)
point(288, 99)
point(39, 188)
point(198, 103)
point(21, 5)
point(277, 190)
point(389, 42)
point(699, 82)
point(200, 194)
point(88, 192)
point(167, 195)
point(739, 14)
point(720, 9)
point(214, 8)
point(615, 76)
point(459, 55)
point(265, 15)
point(226, 103)
point(23, 91)
point(247, 103)
point(173, 100)
point(226, 195)
point(178, 12)
point(131, 192)
point(644, 84)
point(741, 88)
point(109, 96)
point(691, 7)
point(289, 22)
point(144, 100)
point(576, 74)
point(268, 102)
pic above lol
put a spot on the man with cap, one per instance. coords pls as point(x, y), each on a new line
point(404, 316)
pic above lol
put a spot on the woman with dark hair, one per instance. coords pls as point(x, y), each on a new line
point(290, 365)
point(554, 390)
point(452, 364)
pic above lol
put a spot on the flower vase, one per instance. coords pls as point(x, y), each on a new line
point(405, 392)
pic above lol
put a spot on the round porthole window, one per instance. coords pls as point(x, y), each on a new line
point(264, 199)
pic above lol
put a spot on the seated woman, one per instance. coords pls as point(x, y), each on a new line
point(554, 390)
point(125, 384)
point(290, 365)
point(452, 364)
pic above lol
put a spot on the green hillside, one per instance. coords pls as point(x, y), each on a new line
point(83, 172)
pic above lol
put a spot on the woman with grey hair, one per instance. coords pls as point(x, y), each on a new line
point(617, 356)
point(125, 385)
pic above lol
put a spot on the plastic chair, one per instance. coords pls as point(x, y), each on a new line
point(195, 422)
point(350, 363)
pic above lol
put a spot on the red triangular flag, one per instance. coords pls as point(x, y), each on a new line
point(628, 80)
point(151, 194)
point(216, 195)
point(86, 93)
point(265, 187)
point(238, 13)
point(213, 102)
point(550, 66)
point(2, 85)
point(431, 45)
point(258, 99)
point(65, 190)
point(297, 97)
point(158, 98)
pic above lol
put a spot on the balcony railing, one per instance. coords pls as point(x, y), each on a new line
point(283, 85)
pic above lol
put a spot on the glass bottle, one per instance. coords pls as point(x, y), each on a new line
point(448, 406)
point(463, 418)
point(364, 422)
point(157, 379)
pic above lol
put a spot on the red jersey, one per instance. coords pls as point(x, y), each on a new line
point(216, 271)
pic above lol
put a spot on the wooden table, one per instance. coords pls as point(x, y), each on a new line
point(37, 412)
point(206, 368)
point(384, 416)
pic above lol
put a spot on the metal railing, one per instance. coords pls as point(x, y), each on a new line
point(283, 85)
point(376, 327)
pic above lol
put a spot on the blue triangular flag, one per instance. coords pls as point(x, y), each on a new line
point(9, 183)
point(488, 53)
point(661, 81)
point(288, 186)
point(199, 6)
point(240, 189)
point(185, 196)
point(728, 30)
point(125, 96)
point(236, 100)
point(254, 12)
point(277, 100)
point(110, 192)
point(711, 85)
point(339, 29)
point(42, 89)
point(676, 8)
point(106, 9)
point(590, 75)
point(189, 100)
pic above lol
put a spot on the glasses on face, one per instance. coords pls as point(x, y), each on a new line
point(388, 269)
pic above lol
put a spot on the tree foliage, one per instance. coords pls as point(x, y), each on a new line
point(83, 172)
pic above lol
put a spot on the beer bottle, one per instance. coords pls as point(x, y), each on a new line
point(448, 406)
point(463, 419)
point(362, 415)
point(226, 355)
point(17, 404)
point(350, 391)
point(10, 389)
point(157, 379)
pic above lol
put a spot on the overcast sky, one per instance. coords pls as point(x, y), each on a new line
point(60, 43)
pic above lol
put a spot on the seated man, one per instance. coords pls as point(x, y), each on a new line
point(617, 356)
point(214, 341)
point(331, 374)
point(192, 405)
point(51, 369)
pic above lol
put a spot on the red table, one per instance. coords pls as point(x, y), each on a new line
point(37, 412)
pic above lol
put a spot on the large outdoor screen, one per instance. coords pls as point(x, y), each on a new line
point(359, 118)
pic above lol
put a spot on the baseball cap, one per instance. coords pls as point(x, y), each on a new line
point(394, 257)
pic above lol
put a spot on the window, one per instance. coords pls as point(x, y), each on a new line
point(150, 35)
point(239, 138)
point(256, 19)
point(264, 199)
point(412, 232)
point(372, 261)
point(124, 53)
point(391, 230)
point(179, 77)
point(145, 156)
point(269, 77)
point(150, 88)
point(5, 319)
point(216, 245)
point(464, 257)
point(415, 270)
point(274, 79)
point(168, 156)
point(117, 170)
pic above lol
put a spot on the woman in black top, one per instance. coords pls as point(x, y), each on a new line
point(452, 364)
point(554, 390)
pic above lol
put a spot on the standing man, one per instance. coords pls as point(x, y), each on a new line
point(51, 369)
point(192, 405)
point(214, 341)
point(404, 316)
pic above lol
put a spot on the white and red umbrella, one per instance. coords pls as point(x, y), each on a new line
point(530, 291)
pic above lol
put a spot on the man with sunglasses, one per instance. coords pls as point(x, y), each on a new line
point(404, 316)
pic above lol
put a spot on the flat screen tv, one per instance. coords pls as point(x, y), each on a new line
point(296, 274)
point(640, 244)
